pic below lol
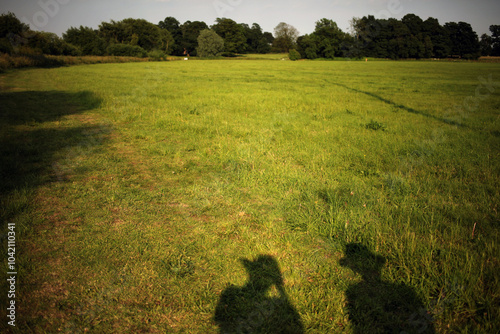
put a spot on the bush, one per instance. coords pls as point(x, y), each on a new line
point(125, 50)
point(157, 55)
point(294, 55)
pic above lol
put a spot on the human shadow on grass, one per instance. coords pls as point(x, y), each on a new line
point(29, 149)
point(251, 309)
point(377, 306)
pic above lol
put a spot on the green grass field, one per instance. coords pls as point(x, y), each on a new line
point(255, 196)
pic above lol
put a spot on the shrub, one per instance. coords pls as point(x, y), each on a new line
point(4, 62)
point(125, 50)
point(294, 55)
point(157, 55)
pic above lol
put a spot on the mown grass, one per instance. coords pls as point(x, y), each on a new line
point(367, 198)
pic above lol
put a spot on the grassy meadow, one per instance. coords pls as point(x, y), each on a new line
point(252, 196)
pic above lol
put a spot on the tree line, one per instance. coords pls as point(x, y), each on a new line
point(410, 37)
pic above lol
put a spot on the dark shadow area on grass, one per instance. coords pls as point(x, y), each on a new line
point(32, 107)
point(403, 107)
point(29, 148)
point(251, 309)
point(377, 306)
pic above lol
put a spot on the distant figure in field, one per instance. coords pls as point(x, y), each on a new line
point(249, 309)
point(375, 306)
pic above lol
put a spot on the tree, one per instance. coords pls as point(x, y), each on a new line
point(367, 31)
point(136, 32)
point(10, 24)
point(465, 42)
point(428, 47)
point(268, 37)
point(173, 27)
point(285, 37)
point(495, 40)
point(190, 32)
point(86, 39)
point(439, 36)
point(413, 23)
point(12, 33)
point(233, 34)
point(307, 46)
point(50, 44)
point(329, 38)
point(149, 36)
point(167, 41)
point(486, 45)
point(210, 44)
point(419, 44)
point(256, 42)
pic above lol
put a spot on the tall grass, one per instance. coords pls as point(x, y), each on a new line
point(151, 188)
point(47, 61)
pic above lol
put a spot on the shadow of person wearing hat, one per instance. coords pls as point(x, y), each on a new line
point(251, 309)
point(377, 306)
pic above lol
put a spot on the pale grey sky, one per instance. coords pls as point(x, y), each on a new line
point(59, 15)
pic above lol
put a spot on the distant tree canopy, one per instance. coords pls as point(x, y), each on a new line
point(410, 37)
point(190, 32)
point(136, 32)
point(464, 41)
point(87, 40)
point(173, 26)
point(327, 41)
point(257, 40)
point(235, 40)
point(490, 45)
point(16, 37)
point(285, 37)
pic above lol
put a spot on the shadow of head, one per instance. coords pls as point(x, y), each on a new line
point(263, 272)
point(360, 259)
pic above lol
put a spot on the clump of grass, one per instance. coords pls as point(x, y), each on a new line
point(374, 125)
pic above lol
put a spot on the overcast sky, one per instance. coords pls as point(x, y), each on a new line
point(59, 15)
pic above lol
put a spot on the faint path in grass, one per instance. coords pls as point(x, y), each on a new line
point(401, 106)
